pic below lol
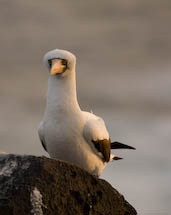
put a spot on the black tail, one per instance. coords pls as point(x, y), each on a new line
point(117, 158)
point(117, 145)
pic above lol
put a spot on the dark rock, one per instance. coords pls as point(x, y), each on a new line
point(43, 186)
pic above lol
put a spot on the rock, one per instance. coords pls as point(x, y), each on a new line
point(43, 186)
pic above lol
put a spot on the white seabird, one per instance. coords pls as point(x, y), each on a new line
point(66, 132)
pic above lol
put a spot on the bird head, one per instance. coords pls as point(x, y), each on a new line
point(59, 62)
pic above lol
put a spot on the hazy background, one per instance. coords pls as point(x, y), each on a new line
point(123, 51)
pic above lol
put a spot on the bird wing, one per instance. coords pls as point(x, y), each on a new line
point(96, 134)
point(41, 135)
point(118, 145)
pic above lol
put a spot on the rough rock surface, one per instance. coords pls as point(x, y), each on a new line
point(43, 186)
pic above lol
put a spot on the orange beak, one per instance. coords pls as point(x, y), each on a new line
point(57, 67)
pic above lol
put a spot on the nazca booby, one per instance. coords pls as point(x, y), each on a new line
point(66, 132)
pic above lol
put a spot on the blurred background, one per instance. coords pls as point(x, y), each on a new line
point(123, 51)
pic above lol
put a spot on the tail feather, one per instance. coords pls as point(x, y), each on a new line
point(117, 158)
point(113, 157)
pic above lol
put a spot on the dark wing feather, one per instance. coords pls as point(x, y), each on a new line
point(103, 146)
point(118, 145)
point(44, 145)
point(41, 136)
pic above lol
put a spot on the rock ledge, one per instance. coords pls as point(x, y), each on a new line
point(43, 186)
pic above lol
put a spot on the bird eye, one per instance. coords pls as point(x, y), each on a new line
point(63, 62)
point(50, 63)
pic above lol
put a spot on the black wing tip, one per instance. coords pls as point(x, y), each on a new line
point(118, 145)
point(131, 147)
point(44, 145)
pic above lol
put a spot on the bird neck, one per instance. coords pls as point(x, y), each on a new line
point(61, 94)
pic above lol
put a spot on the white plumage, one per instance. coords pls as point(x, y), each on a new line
point(66, 132)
